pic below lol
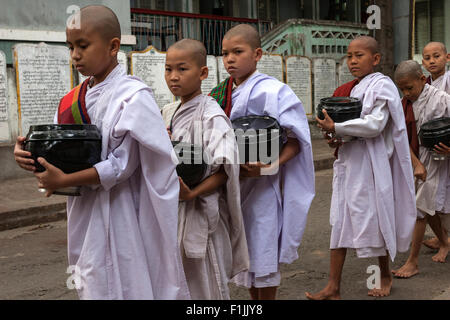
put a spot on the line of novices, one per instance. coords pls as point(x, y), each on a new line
point(139, 232)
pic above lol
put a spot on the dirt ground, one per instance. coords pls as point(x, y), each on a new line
point(33, 263)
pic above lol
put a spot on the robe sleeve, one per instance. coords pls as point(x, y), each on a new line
point(370, 126)
point(120, 164)
point(134, 126)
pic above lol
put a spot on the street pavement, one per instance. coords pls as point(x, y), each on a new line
point(33, 250)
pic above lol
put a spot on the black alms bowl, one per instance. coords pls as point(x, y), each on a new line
point(69, 147)
point(259, 135)
point(435, 131)
point(340, 109)
point(191, 167)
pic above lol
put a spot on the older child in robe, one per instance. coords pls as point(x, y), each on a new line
point(435, 58)
point(210, 228)
point(373, 203)
point(122, 230)
point(275, 199)
point(432, 194)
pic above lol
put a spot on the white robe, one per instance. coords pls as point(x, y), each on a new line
point(433, 194)
point(122, 234)
point(275, 220)
point(373, 200)
point(443, 82)
point(211, 231)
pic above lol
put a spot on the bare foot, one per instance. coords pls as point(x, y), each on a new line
point(432, 243)
point(326, 294)
point(441, 255)
point(408, 270)
point(385, 290)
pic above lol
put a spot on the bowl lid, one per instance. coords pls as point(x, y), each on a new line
point(341, 101)
point(436, 125)
point(255, 122)
point(63, 132)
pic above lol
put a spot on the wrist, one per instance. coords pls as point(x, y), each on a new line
point(192, 194)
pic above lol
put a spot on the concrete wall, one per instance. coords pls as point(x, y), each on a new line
point(51, 15)
point(401, 10)
point(447, 23)
point(385, 37)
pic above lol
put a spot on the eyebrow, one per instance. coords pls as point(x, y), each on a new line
point(177, 64)
point(78, 41)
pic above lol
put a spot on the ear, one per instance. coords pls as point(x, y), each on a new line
point(376, 59)
point(258, 54)
point(115, 46)
point(204, 72)
point(423, 79)
point(448, 57)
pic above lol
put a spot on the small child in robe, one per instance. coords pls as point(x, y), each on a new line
point(210, 229)
point(435, 58)
point(373, 204)
point(275, 199)
point(122, 230)
point(423, 103)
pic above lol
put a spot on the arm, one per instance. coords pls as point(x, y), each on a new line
point(370, 126)
point(53, 178)
point(208, 185)
point(289, 151)
point(420, 172)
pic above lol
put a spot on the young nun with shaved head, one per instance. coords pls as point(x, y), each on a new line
point(424, 103)
point(210, 229)
point(435, 58)
point(373, 203)
point(275, 199)
point(122, 230)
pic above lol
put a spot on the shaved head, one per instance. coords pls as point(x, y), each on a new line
point(410, 69)
point(366, 42)
point(100, 19)
point(194, 48)
point(437, 45)
point(247, 32)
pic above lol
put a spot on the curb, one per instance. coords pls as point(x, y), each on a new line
point(33, 215)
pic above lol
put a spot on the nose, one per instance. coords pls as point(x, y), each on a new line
point(75, 55)
point(229, 58)
point(174, 76)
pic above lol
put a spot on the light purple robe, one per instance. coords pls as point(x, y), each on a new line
point(122, 234)
point(443, 82)
point(373, 201)
point(433, 194)
point(275, 207)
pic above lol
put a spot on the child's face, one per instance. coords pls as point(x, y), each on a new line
point(183, 75)
point(435, 59)
point(239, 58)
point(360, 60)
point(91, 54)
point(412, 88)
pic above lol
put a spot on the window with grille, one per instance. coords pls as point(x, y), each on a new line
point(429, 23)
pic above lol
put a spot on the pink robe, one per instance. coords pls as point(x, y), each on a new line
point(210, 229)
